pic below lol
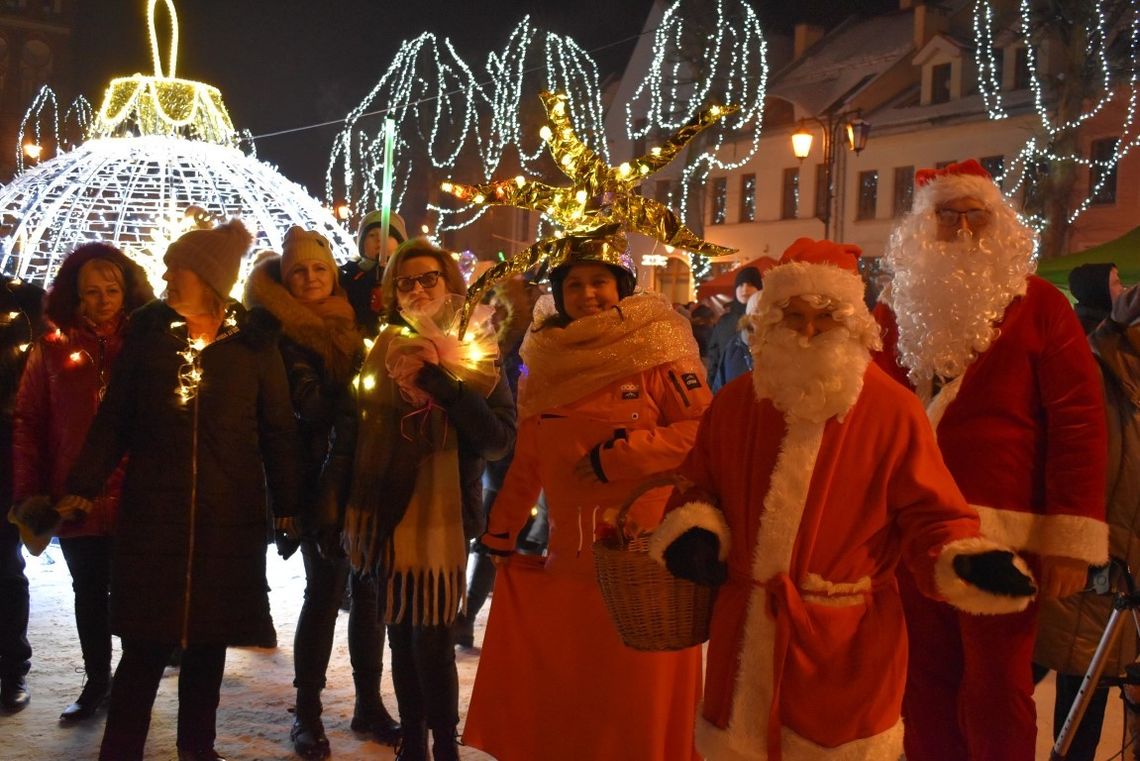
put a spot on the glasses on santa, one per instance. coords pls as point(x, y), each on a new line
point(975, 218)
point(427, 281)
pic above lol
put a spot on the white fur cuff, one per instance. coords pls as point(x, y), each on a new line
point(687, 516)
point(967, 597)
point(1071, 536)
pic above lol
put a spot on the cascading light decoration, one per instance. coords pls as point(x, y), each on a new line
point(160, 147)
point(1113, 34)
point(449, 115)
point(729, 64)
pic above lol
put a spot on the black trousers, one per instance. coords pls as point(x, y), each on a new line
point(424, 675)
point(325, 581)
point(15, 652)
point(89, 561)
point(134, 689)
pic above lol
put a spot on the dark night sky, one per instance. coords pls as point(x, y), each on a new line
point(288, 63)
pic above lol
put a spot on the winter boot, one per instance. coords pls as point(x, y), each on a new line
point(370, 716)
point(413, 743)
point(14, 695)
point(445, 745)
point(463, 631)
point(308, 732)
point(94, 695)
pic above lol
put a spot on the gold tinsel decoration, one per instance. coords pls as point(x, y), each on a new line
point(597, 209)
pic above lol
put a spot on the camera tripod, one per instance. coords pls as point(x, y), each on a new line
point(1123, 604)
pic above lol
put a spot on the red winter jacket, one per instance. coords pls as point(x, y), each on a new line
point(58, 397)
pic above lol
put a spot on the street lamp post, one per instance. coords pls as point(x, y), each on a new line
point(855, 131)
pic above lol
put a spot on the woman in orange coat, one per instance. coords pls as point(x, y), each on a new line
point(611, 394)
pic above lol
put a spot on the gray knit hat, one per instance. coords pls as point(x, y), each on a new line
point(213, 255)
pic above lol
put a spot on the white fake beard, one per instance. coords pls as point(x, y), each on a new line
point(811, 379)
point(947, 297)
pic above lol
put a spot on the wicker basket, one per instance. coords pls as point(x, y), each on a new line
point(652, 609)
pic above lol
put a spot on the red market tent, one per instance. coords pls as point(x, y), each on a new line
point(722, 284)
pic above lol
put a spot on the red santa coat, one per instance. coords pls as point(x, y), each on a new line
point(1023, 429)
point(807, 655)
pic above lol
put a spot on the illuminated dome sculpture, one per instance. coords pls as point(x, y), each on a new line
point(158, 147)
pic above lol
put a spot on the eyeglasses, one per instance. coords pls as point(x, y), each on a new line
point(427, 281)
point(953, 218)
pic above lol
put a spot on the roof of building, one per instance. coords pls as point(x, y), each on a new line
point(833, 70)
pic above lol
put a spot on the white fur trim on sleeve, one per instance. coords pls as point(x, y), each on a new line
point(687, 516)
point(967, 597)
point(1070, 536)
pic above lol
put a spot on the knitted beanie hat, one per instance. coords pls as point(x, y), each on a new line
point(301, 245)
point(749, 275)
point(396, 228)
point(213, 254)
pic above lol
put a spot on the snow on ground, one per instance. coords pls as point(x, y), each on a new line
point(257, 693)
point(254, 718)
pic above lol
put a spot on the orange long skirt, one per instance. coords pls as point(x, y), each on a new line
point(556, 683)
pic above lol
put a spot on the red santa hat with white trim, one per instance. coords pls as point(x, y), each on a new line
point(957, 180)
point(815, 268)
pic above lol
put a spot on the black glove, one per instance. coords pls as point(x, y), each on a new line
point(694, 556)
point(443, 387)
point(994, 572)
point(286, 536)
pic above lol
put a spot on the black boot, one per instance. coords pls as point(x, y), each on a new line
point(308, 732)
point(93, 696)
point(444, 745)
point(14, 695)
point(463, 630)
point(413, 743)
point(370, 715)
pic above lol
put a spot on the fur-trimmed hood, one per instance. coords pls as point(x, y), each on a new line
point(62, 301)
point(334, 338)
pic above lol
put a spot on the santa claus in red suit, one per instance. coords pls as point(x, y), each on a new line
point(999, 359)
point(811, 479)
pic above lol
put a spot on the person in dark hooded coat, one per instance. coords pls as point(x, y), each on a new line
point(725, 359)
point(1095, 287)
point(200, 402)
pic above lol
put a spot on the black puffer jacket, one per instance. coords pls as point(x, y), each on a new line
point(189, 557)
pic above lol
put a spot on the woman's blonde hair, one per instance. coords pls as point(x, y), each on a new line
point(414, 249)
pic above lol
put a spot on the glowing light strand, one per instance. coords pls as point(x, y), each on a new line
point(1036, 150)
point(468, 119)
point(733, 66)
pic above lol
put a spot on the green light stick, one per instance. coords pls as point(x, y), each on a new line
point(386, 188)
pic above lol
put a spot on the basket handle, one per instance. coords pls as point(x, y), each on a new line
point(653, 482)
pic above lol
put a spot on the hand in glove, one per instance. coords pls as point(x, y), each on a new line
point(694, 556)
point(286, 536)
point(443, 387)
point(994, 572)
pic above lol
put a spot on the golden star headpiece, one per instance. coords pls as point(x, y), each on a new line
point(597, 209)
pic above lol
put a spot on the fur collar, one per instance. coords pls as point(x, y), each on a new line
point(334, 339)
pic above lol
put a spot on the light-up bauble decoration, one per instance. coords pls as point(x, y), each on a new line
point(162, 158)
point(133, 193)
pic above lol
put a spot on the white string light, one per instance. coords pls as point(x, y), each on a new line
point(449, 116)
point(1038, 150)
point(733, 67)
